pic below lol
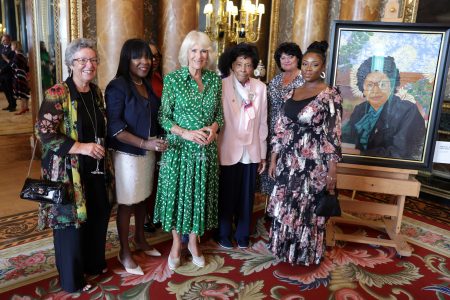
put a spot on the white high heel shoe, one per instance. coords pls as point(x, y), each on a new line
point(173, 263)
point(199, 261)
point(134, 271)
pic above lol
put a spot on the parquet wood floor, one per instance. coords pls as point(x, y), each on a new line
point(15, 154)
point(11, 123)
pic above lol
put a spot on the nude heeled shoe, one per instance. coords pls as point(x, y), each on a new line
point(173, 263)
point(134, 271)
point(199, 261)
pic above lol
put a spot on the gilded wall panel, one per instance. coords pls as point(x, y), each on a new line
point(286, 21)
point(89, 19)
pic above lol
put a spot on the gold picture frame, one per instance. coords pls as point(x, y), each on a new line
point(410, 11)
point(40, 14)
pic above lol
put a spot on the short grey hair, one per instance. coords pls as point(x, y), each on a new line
point(196, 38)
point(75, 46)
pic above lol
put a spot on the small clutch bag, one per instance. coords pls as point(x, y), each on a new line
point(43, 191)
point(327, 205)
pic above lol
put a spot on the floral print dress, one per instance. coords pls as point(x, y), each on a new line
point(304, 147)
point(188, 184)
point(277, 94)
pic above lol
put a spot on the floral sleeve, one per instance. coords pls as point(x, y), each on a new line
point(332, 127)
point(49, 122)
point(279, 134)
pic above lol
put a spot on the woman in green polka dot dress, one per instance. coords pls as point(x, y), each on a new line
point(191, 112)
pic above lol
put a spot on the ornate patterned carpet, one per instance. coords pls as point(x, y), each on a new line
point(349, 271)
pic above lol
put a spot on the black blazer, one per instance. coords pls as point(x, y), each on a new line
point(127, 110)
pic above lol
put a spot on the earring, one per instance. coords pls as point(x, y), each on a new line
point(323, 75)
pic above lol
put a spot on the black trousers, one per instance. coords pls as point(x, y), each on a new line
point(80, 251)
point(236, 196)
point(7, 87)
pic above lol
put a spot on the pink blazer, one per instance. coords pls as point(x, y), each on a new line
point(232, 139)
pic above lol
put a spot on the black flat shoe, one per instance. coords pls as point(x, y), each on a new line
point(243, 244)
point(6, 108)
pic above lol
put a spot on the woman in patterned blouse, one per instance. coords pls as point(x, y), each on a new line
point(288, 57)
point(191, 112)
point(305, 150)
point(71, 118)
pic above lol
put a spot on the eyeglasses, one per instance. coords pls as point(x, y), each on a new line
point(382, 85)
point(84, 61)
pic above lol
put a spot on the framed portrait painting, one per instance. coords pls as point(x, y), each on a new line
point(392, 80)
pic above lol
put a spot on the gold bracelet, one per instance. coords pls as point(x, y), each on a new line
point(140, 145)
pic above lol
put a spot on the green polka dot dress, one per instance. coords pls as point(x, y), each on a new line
point(188, 184)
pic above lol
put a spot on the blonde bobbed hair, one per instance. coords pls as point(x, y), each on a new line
point(196, 38)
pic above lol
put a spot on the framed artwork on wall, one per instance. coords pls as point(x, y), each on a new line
point(392, 79)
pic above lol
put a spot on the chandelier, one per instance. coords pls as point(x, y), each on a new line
point(227, 24)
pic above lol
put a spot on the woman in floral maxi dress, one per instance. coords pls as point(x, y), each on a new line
point(305, 151)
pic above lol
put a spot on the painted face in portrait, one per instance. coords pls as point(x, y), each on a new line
point(377, 89)
point(197, 57)
point(242, 68)
point(84, 65)
point(312, 66)
point(139, 67)
point(288, 62)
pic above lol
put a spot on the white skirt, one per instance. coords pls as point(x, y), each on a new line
point(134, 177)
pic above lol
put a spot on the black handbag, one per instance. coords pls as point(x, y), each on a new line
point(43, 191)
point(327, 205)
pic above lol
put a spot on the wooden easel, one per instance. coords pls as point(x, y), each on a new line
point(391, 181)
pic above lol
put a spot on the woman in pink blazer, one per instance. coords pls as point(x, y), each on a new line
point(242, 142)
